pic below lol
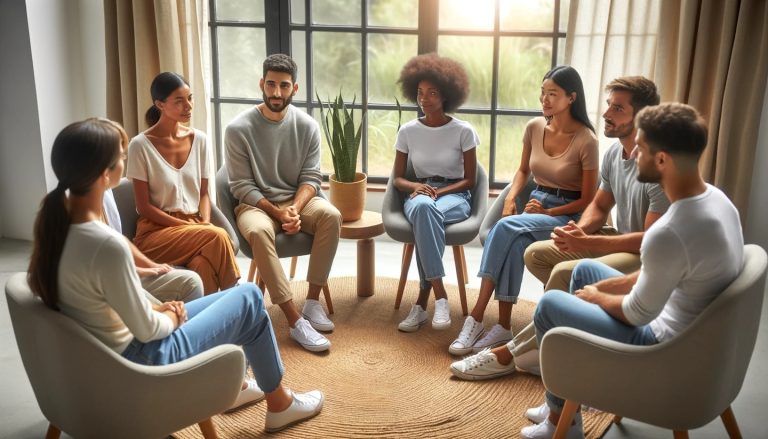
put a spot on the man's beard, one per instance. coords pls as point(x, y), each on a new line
point(278, 108)
point(619, 131)
point(650, 175)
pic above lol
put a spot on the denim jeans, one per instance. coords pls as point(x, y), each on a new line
point(503, 252)
point(235, 316)
point(429, 218)
point(558, 308)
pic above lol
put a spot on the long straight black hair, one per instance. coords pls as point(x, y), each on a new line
point(81, 153)
point(567, 78)
point(162, 86)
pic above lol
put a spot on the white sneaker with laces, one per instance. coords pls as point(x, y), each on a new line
point(497, 336)
point(481, 366)
point(442, 318)
point(250, 395)
point(546, 430)
point(303, 407)
point(529, 362)
point(308, 338)
point(314, 313)
point(468, 336)
point(538, 414)
point(415, 319)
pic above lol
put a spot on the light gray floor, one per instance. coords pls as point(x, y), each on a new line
point(20, 416)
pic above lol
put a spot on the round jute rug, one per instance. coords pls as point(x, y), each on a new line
point(382, 383)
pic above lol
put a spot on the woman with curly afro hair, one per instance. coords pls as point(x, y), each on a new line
point(560, 151)
point(441, 149)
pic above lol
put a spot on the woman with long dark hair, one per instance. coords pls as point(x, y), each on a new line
point(169, 166)
point(560, 151)
point(84, 268)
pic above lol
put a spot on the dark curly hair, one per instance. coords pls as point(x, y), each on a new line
point(448, 75)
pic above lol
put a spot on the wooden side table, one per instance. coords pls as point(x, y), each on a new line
point(364, 230)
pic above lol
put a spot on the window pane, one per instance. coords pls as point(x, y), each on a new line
point(299, 55)
point(460, 14)
point(336, 59)
point(393, 13)
point(482, 124)
point(527, 15)
point(343, 12)
point(509, 145)
point(240, 10)
point(476, 55)
point(326, 161)
point(298, 15)
point(382, 132)
point(386, 56)
point(241, 53)
point(229, 112)
point(523, 61)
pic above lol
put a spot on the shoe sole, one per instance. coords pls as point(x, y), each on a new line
point(297, 421)
point(319, 326)
point(411, 328)
point(468, 377)
point(311, 348)
point(247, 404)
point(465, 351)
point(441, 326)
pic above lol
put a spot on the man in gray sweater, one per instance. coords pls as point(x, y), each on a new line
point(273, 161)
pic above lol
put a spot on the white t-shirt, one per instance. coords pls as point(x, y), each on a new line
point(437, 151)
point(99, 288)
point(170, 189)
point(688, 257)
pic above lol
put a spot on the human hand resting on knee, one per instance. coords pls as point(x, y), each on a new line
point(175, 310)
point(291, 220)
point(570, 237)
point(534, 206)
point(154, 270)
point(425, 189)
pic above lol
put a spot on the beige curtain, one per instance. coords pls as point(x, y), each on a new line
point(144, 38)
point(712, 54)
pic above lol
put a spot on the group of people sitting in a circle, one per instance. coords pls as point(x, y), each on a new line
point(597, 277)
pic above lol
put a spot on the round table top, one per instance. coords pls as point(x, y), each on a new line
point(368, 226)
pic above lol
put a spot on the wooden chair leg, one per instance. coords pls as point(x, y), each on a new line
point(252, 271)
point(53, 432)
point(328, 302)
point(293, 267)
point(457, 260)
point(464, 266)
point(616, 419)
point(731, 426)
point(406, 264)
point(208, 428)
point(566, 417)
point(680, 434)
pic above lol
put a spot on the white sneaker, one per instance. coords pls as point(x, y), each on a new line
point(529, 362)
point(538, 414)
point(303, 407)
point(316, 316)
point(442, 317)
point(497, 336)
point(546, 430)
point(481, 366)
point(468, 336)
point(308, 338)
point(250, 395)
point(415, 319)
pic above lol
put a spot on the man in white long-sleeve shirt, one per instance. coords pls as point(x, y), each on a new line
point(688, 256)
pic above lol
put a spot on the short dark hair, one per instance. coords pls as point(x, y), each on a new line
point(448, 75)
point(280, 62)
point(675, 128)
point(642, 89)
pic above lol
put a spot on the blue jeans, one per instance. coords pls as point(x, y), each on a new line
point(429, 218)
point(558, 308)
point(235, 316)
point(503, 252)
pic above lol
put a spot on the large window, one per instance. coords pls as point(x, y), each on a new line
point(357, 47)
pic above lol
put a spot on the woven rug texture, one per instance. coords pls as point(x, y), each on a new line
point(383, 383)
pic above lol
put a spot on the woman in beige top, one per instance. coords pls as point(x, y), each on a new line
point(169, 166)
point(560, 150)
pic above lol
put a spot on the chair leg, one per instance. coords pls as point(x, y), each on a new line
point(458, 254)
point(53, 432)
point(293, 267)
point(566, 417)
point(252, 271)
point(731, 426)
point(208, 428)
point(328, 302)
point(616, 419)
point(464, 265)
point(680, 434)
point(406, 264)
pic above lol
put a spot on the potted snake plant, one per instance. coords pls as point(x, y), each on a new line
point(347, 185)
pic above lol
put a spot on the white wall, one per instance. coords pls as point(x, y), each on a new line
point(757, 218)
